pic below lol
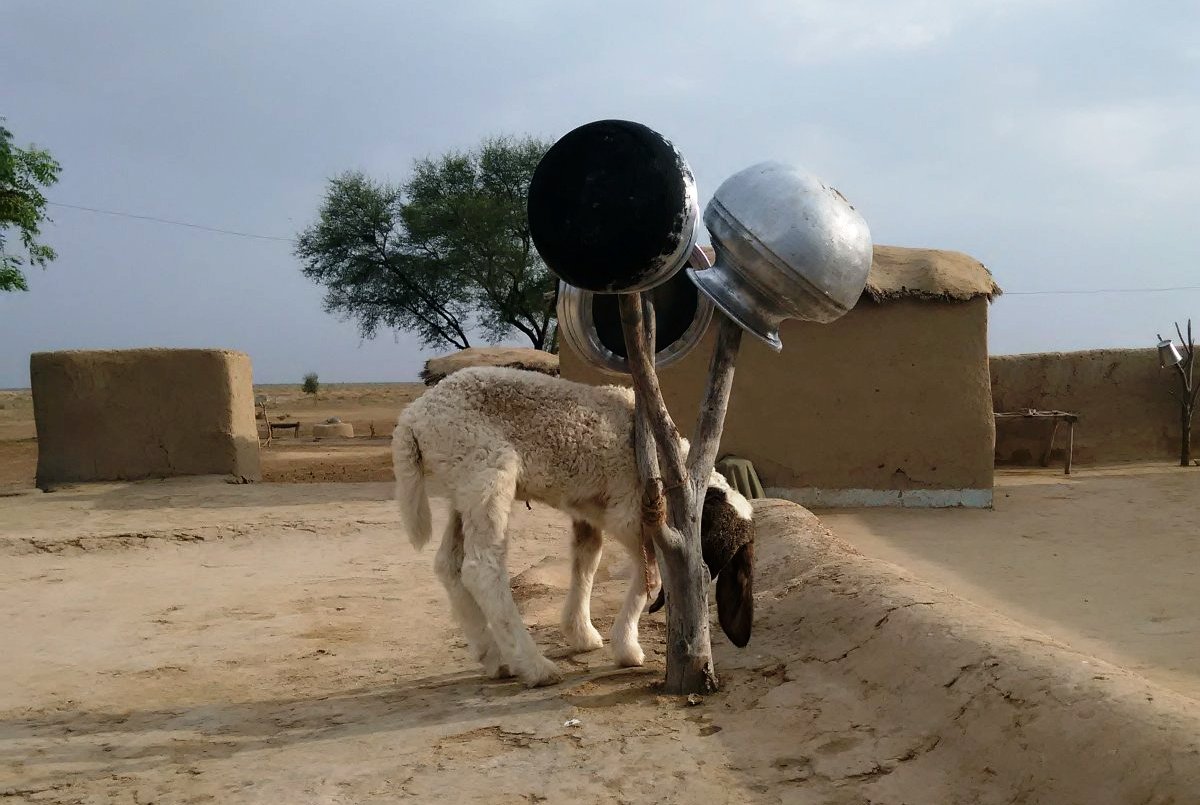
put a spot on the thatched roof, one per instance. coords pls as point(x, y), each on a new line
point(898, 272)
point(513, 357)
point(932, 274)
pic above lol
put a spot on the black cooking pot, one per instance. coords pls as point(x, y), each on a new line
point(613, 208)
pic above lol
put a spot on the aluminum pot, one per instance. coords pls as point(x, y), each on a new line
point(613, 208)
point(591, 323)
point(788, 246)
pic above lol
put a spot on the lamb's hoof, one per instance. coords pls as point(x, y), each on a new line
point(587, 639)
point(543, 673)
point(629, 656)
point(493, 665)
point(497, 672)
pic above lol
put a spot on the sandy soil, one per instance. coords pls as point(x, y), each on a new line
point(18, 448)
point(1105, 560)
point(364, 405)
point(195, 641)
point(303, 461)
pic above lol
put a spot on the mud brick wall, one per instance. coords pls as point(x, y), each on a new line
point(143, 413)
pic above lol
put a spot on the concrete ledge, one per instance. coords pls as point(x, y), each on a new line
point(871, 498)
point(951, 702)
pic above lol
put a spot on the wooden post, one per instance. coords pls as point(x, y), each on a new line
point(1187, 395)
point(1070, 445)
point(1050, 447)
point(673, 493)
point(266, 420)
point(1185, 427)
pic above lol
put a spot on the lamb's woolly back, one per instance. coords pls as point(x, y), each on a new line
point(569, 442)
point(502, 394)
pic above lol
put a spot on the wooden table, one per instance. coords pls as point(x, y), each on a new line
point(273, 426)
point(1059, 417)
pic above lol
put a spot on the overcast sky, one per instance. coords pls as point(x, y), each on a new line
point(1055, 140)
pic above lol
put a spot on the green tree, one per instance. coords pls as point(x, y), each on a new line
point(445, 254)
point(311, 384)
point(23, 174)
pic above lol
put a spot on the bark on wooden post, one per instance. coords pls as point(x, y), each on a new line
point(674, 491)
point(1187, 395)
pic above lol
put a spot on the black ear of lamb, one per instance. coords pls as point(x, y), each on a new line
point(658, 602)
point(722, 530)
point(735, 596)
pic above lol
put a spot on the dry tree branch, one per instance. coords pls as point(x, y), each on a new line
point(645, 384)
point(706, 439)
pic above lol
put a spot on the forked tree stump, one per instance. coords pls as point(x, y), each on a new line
point(674, 492)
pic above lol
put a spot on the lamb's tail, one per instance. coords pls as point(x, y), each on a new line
point(410, 486)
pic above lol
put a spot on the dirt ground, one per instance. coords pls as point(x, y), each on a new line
point(18, 448)
point(1105, 560)
point(191, 640)
point(370, 408)
point(364, 405)
point(195, 641)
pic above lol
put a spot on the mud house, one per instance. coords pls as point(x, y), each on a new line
point(889, 405)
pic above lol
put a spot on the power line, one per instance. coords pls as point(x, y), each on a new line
point(1072, 292)
point(169, 221)
point(1103, 290)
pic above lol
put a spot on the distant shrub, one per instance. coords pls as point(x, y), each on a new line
point(311, 384)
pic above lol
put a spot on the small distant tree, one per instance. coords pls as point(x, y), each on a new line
point(1188, 392)
point(24, 172)
point(311, 384)
point(444, 254)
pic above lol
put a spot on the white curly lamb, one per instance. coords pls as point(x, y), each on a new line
point(494, 435)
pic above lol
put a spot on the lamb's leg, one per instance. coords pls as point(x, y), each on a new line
point(625, 649)
point(485, 508)
point(586, 546)
point(448, 566)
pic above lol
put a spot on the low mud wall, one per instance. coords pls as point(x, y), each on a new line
point(953, 702)
point(1121, 395)
point(143, 413)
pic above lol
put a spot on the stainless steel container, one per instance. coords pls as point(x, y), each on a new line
point(613, 208)
point(590, 323)
point(788, 246)
point(1168, 353)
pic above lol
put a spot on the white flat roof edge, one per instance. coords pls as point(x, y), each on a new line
point(870, 498)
